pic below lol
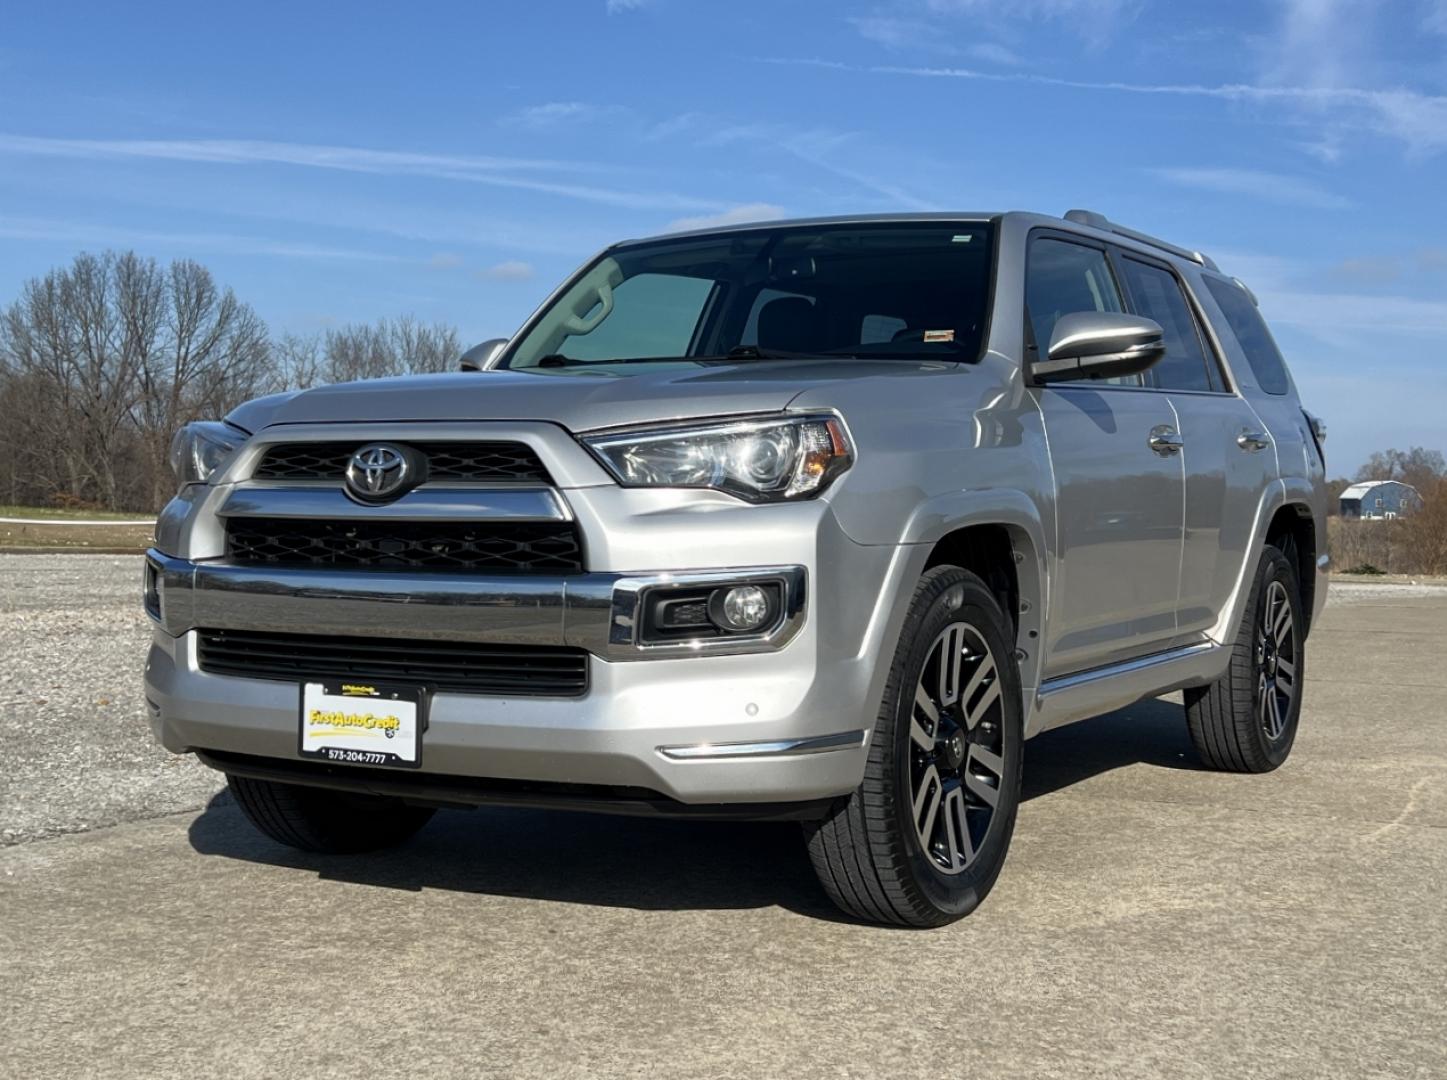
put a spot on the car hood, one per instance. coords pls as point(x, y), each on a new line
point(578, 401)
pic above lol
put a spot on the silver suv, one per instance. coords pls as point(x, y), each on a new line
point(814, 520)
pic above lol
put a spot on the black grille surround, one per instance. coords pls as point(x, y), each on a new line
point(455, 666)
point(447, 462)
point(491, 545)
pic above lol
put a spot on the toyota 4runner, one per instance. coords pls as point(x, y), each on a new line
point(814, 520)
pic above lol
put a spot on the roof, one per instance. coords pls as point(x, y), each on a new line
point(1356, 491)
point(1072, 220)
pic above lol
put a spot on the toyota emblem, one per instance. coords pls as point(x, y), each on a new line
point(378, 471)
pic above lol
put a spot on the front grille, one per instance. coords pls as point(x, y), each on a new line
point(450, 462)
point(508, 547)
point(458, 666)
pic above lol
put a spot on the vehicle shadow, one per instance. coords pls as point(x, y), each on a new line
point(658, 864)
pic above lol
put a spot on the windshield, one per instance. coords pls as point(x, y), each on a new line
point(904, 290)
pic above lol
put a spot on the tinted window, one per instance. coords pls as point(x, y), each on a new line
point(653, 313)
point(750, 336)
point(1156, 294)
point(1250, 330)
point(881, 328)
point(1065, 278)
point(916, 289)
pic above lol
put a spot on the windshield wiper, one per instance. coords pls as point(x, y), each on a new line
point(738, 354)
point(753, 352)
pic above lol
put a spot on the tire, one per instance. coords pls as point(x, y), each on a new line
point(326, 821)
point(877, 858)
point(1246, 720)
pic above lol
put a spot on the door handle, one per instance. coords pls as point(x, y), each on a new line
point(1165, 441)
point(1252, 441)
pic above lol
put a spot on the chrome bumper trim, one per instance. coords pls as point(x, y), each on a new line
point(598, 612)
point(817, 744)
point(426, 503)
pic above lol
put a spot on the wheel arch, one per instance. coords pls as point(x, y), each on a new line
point(998, 536)
point(1293, 530)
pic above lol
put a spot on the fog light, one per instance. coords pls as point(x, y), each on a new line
point(742, 607)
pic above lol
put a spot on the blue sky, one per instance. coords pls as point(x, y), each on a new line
point(339, 162)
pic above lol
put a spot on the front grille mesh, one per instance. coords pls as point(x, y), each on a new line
point(508, 547)
point(460, 667)
point(448, 462)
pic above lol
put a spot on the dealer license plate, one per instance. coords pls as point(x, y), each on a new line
point(356, 722)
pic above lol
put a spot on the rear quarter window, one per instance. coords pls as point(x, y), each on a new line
point(1249, 329)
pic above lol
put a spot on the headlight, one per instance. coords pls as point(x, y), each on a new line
point(759, 459)
point(200, 448)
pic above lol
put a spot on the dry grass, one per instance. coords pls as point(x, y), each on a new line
point(79, 538)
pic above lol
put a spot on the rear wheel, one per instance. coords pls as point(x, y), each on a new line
point(1246, 720)
point(322, 820)
point(922, 839)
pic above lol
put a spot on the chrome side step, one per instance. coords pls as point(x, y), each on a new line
point(1067, 698)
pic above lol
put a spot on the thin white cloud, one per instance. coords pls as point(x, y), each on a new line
point(1256, 184)
point(1287, 289)
point(1435, 19)
point(554, 113)
point(512, 270)
point(1417, 120)
point(620, 7)
point(492, 171)
point(84, 234)
point(814, 146)
point(252, 152)
point(896, 33)
point(992, 52)
point(1093, 20)
point(737, 215)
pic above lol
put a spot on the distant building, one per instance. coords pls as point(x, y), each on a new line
point(1378, 499)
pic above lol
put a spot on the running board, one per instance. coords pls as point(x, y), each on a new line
point(1068, 698)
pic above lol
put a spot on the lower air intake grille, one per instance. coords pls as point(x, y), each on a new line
point(457, 666)
point(516, 547)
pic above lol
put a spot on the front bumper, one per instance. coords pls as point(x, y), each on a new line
point(785, 722)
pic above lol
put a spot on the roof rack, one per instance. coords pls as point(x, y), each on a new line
point(1100, 221)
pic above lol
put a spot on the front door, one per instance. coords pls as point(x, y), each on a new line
point(1119, 483)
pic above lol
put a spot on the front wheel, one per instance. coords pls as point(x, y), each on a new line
point(1246, 720)
point(921, 841)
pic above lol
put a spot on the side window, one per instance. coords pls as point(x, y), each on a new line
point(1156, 294)
point(1250, 330)
point(1064, 278)
point(659, 319)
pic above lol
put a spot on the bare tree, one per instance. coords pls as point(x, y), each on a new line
point(400, 346)
point(1419, 467)
point(101, 361)
point(105, 358)
point(208, 353)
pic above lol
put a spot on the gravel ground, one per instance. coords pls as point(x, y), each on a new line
point(77, 751)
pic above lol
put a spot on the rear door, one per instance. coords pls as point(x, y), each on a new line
point(1226, 453)
point(1118, 499)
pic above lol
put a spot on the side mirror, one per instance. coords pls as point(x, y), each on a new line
point(1100, 345)
point(480, 357)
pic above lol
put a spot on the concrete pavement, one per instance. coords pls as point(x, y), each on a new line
point(1153, 920)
